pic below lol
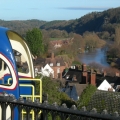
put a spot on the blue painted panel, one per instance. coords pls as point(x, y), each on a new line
point(25, 90)
point(7, 52)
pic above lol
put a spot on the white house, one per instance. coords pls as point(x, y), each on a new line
point(47, 71)
point(105, 86)
point(57, 45)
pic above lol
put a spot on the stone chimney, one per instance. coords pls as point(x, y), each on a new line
point(117, 74)
point(84, 67)
point(85, 76)
point(52, 55)
point(93, 79)
point(92, 70)
point(104, 73)
point(98, 71)
point(85, 73)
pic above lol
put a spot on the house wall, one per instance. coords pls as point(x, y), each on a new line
point(55, 71)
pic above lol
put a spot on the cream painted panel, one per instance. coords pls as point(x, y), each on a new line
point(16, 45)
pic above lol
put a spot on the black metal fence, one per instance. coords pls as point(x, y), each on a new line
point(63, 112)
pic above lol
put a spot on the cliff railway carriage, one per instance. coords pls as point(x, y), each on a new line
point(16, 70)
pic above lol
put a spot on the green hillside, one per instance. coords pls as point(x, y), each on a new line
point(95, 21)
point(105, 21)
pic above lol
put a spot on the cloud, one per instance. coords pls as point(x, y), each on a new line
point(84, 8)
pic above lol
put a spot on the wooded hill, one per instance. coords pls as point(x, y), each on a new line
point(21, 26)
point(95, 21)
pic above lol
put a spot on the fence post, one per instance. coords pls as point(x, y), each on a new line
point(36, 114)
point(12, 111)
point(20, 100)
point(28, 109)
point(4, 106)
point(72, 117)
point(4, 98)
point(62, 115)
point(20, 113)
point(53, 113)
point(37, 102)
point(28, 113)
point(12, 106)
point(44, 114)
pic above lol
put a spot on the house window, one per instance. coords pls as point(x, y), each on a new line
point(51, 64)
point(58, 70)
point(58, 64)
point(74, 78)
point(67, 76)
point(36, 70)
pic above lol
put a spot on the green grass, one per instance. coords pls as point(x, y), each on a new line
point(76, 63)
point(57, 39)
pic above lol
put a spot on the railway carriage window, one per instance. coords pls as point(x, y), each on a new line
point(4, 73)
point(5, 66)
point(22, 55)
point(21, 63)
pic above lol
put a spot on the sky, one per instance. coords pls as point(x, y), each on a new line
point(49, 10)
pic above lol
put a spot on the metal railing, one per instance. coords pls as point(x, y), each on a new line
point(33, 96)
point(62, 111)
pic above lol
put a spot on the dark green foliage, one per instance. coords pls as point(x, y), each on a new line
point(52, 23)
point(52, 89)
point(61, 25)
point(105, 100)
point(86, 96)
point(76, 63)
point(34, 41)
point(21, 26)
point(95, 21)
point(57, 34)
point(50, 117)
